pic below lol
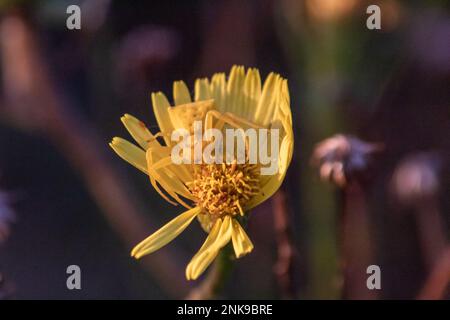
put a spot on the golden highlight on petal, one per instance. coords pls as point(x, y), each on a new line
point(166, 234)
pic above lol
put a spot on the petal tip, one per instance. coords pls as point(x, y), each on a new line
point(114, 141)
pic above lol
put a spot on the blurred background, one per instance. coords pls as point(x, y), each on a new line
point(369, 181)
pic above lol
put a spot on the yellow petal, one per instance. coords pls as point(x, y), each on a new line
point(224, 235)
point(285, 94)
point(283, 112)
point(201, 263)
point(181, 93)
point(275, 181)
point(130, 153)
point(216, 241)
point(286, 151)
point(267, 102)
point(235, 90)
point(166, 234)
point(252, 92)
point(138, 131)
point(266, 191)
point(241, 242)
point(273, 102)
point(195, 261)
point(134, 155)
point(202, 90)
point(161, 109)
point(218, 90)
point(282, 119)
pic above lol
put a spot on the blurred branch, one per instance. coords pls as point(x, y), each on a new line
point(431, 232)
point(6, 289)
point(357, 251)
point(415, 183)
point(7, 217)
point(284, 267)
point(32, 101)
point(439, 279)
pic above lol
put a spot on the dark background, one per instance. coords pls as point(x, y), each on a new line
point(75, 202)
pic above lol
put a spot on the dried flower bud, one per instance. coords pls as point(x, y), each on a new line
point(340, 157)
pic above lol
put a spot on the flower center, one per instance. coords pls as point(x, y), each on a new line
point(224, 189)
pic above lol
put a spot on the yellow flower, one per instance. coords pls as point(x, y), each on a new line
point(218, 195)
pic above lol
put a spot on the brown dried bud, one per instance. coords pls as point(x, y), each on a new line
point(340, 157)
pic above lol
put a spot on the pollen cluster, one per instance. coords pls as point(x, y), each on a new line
point(224, 189)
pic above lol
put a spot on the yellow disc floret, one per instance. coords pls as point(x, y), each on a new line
point(224, 189)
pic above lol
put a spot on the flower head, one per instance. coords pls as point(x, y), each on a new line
point(221, 193)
